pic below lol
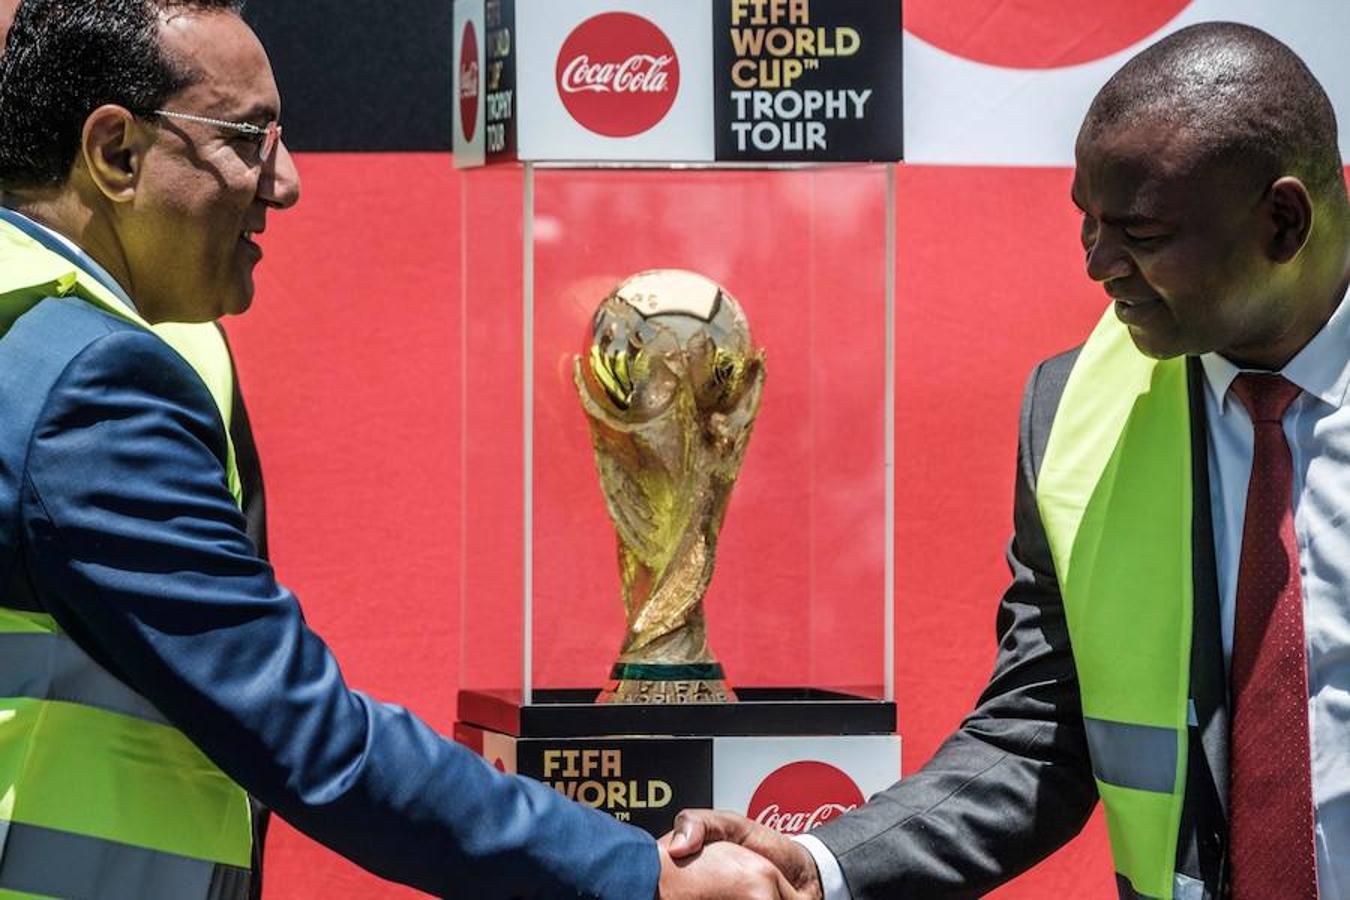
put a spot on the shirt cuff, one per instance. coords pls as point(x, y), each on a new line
point(832, 885)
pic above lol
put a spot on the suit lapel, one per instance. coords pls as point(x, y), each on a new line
point(1209, 690)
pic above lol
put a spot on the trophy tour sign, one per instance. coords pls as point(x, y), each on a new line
point(659, 81)
point(807, 79)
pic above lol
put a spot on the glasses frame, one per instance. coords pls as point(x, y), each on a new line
point(267, 137)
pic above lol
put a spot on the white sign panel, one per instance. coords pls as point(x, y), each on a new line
point(469, 113)
point(961, 109)
point(500, 750)
point(614, 80)
point(793, 784)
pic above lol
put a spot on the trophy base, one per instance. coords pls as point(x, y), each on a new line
point(666, 683)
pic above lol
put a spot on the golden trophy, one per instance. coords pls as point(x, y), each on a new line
point(671, 384)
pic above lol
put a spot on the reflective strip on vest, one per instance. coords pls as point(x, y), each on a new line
point(1132, 756)
point(51, 667)
point(1184, 887)
point(1126, 891)
point(50, 863)
point(1114, 494)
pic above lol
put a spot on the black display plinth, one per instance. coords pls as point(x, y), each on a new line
point(789, 757)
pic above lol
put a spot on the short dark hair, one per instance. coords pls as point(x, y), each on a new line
point(1246, 98)
point(66, 58)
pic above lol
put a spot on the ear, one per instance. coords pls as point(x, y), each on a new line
point(1290, 211)
point(112, 147)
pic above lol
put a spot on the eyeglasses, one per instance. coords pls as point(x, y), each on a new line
point(265, 136)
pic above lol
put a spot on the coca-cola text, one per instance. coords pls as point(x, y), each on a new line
point(798, 822)
point(639, 73)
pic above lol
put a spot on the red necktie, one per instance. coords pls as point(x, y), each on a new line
point(1270, 787)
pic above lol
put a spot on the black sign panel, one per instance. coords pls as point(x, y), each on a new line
point(643, 781)
point(499, 92)
point(807, 80)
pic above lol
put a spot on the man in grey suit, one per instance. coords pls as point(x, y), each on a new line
point(1210, 714)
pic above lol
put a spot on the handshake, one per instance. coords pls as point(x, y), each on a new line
point(711, 853)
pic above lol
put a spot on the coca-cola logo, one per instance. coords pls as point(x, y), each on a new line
point(618, 74)
point(468, 81)
point(802, 795)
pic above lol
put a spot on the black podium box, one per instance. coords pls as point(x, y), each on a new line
point(791, 758)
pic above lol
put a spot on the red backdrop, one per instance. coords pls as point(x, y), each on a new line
point(350, 358)
point(352, 362)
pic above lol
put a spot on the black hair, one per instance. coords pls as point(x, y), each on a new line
point(64, 59)
point(1245, 98)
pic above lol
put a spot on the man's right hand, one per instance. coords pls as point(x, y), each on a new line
point(705, 829)
point(721, 870)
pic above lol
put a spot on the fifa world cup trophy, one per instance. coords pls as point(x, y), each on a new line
point(670, 383)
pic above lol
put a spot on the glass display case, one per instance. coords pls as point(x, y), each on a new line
point(799, 610)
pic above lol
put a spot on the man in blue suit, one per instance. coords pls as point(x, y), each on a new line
point(151, 668)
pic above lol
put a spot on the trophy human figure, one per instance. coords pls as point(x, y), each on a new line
point(670, 383)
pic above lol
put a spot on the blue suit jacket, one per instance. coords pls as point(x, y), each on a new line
point(117, 522)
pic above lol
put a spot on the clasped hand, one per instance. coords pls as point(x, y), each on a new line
point(711, 853)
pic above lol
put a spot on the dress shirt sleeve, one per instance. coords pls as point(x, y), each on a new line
point(832, 886)
point(139, 552)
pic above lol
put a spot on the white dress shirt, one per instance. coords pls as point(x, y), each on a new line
point(1317, 426)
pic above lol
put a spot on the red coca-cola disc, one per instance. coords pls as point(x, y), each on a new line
point(468, 81)
point(801, 795)
point(617, 74)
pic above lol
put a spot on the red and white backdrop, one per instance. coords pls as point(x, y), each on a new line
point(350, 357)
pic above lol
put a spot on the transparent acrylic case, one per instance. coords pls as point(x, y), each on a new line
point(802, 593)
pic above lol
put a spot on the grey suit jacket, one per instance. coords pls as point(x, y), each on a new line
point(1015, 782)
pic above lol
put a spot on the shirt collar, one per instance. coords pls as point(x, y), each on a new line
point(67, 249)
point(1321, 368)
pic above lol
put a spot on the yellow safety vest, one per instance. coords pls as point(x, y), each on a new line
point(1114, 493)
point(100, 796)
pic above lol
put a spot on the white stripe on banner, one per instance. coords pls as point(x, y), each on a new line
point(958, 111)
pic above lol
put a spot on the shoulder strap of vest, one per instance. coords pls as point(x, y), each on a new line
point(1115, 496)
point(30, 272)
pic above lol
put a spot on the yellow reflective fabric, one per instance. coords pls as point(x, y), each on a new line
point(29, 272)
point(201, 344)
point(1114, 493)
point(17, 620)
point(86, 771)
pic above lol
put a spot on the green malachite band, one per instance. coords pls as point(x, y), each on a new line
point(667, 672)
